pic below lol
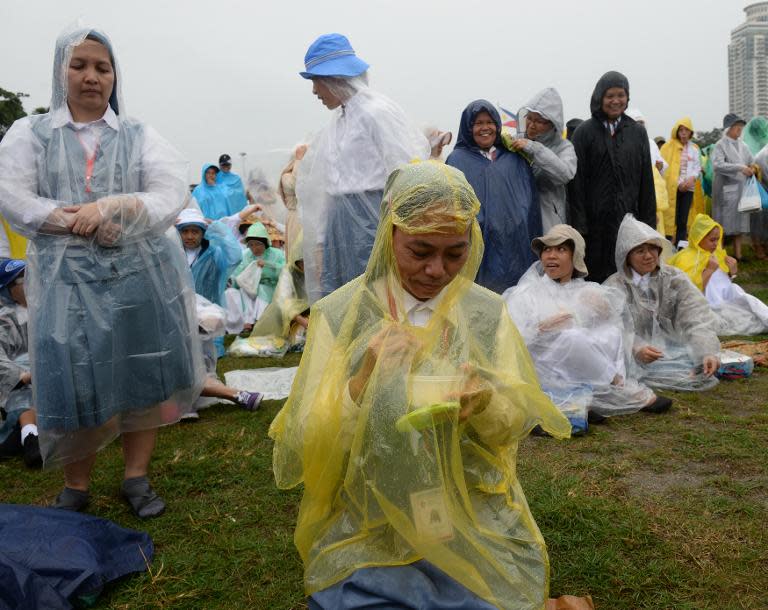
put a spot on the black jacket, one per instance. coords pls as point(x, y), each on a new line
point(614, 177)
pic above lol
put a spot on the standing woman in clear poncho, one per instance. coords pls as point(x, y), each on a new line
point(113, 337)
point(344, 171)
point(404, 419)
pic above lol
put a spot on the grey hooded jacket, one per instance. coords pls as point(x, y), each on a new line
point(553, 159)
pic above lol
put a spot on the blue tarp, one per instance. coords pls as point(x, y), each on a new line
point(51, 558)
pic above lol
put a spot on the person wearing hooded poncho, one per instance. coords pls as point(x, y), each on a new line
point(243, 309)
point(283, 325)
point(111, 298)
point(404, 418)
point(552, 157)
point(732, 165)
point(674, 345)
point(613, 177)
point(18, 422)
point(347, 164)
point(683, 186)
point(210, 195)
point(573, 330)
point(237, 198)
point(756, 139)
point(705, 261)
point(504, 183)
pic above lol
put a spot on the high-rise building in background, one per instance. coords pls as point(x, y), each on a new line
point(748, 64)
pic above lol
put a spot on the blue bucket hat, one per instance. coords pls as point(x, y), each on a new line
point(332, 55)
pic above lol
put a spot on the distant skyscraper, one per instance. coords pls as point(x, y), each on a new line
point(748, 64)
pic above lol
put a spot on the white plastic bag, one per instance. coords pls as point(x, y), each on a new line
point(750, 198)
point(249, 278)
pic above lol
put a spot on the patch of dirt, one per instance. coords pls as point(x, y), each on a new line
point(644, 483)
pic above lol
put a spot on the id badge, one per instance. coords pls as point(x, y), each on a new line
point(430, 515)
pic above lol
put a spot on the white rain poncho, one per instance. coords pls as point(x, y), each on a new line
point(113, 337)
point(342, 179)
point(574, 331)
point(728, 159)
point(552, 157)
point(15, 398)
point(668, 312)
point(396, 477)
point(265, 194)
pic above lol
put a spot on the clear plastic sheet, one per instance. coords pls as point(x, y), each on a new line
point(113, 335)
point(574, 331)
point(669, 314)
point(341, 181)
point(396, 476)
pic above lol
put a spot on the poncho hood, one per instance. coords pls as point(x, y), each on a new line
point(465, 139)
point(65, 45)
point(607, 81)
point(633, 233)
point(755, 134)
point(548, 104)
point(694, 259)
point(258, 231)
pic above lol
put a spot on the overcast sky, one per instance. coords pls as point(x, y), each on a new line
point(222, 76)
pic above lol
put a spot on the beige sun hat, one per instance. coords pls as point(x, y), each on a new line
point(560, 234)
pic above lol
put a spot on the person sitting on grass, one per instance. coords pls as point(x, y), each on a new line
point(18, 425)
point(244, 305)
point(404, 419)
point(675, 346)
point(284, 323)
point(573, 329)
point(705, 261)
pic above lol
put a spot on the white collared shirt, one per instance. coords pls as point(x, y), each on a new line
point(641, 281)
point(192, 254)
point(489, 154)
point(419, 312)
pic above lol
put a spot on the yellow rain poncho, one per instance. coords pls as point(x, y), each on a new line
point(694, 259)
point(396, 477)
point(671, 152)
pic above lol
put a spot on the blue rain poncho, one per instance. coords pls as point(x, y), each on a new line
point(212, 198)
point(114, 308)
point(220, 254)
point(509, 213)
point(234, 190)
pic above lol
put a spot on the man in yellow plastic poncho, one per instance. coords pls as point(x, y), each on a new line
point(404, 419)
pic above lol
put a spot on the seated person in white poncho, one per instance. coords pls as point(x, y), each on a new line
point(674, 345)
point(573, 329)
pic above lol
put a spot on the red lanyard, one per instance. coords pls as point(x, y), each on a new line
point(90, 160)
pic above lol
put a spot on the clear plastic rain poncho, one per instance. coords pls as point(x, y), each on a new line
point(729, 157)
point(575, 333)
point(341, 181)
point(113, 338)
point(276, 332)
point(737, 312)
point(552, 157)
point(395, 477)
point(15, 398)
point(668, 312)
point(265, 194)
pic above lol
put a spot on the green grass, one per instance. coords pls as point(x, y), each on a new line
point(644, 512)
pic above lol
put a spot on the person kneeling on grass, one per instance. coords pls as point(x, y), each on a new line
point(712, 271)
point(573, 329)
point(675, 346)
point(18, 425)
point(404, 419)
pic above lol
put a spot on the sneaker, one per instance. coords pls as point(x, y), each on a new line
point(71, 499)
point(250, 401)
point(32, 457)
point(190, 417)
point(660, 405)
point(142, 498)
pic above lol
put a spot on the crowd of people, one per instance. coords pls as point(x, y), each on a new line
point(532, 282)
